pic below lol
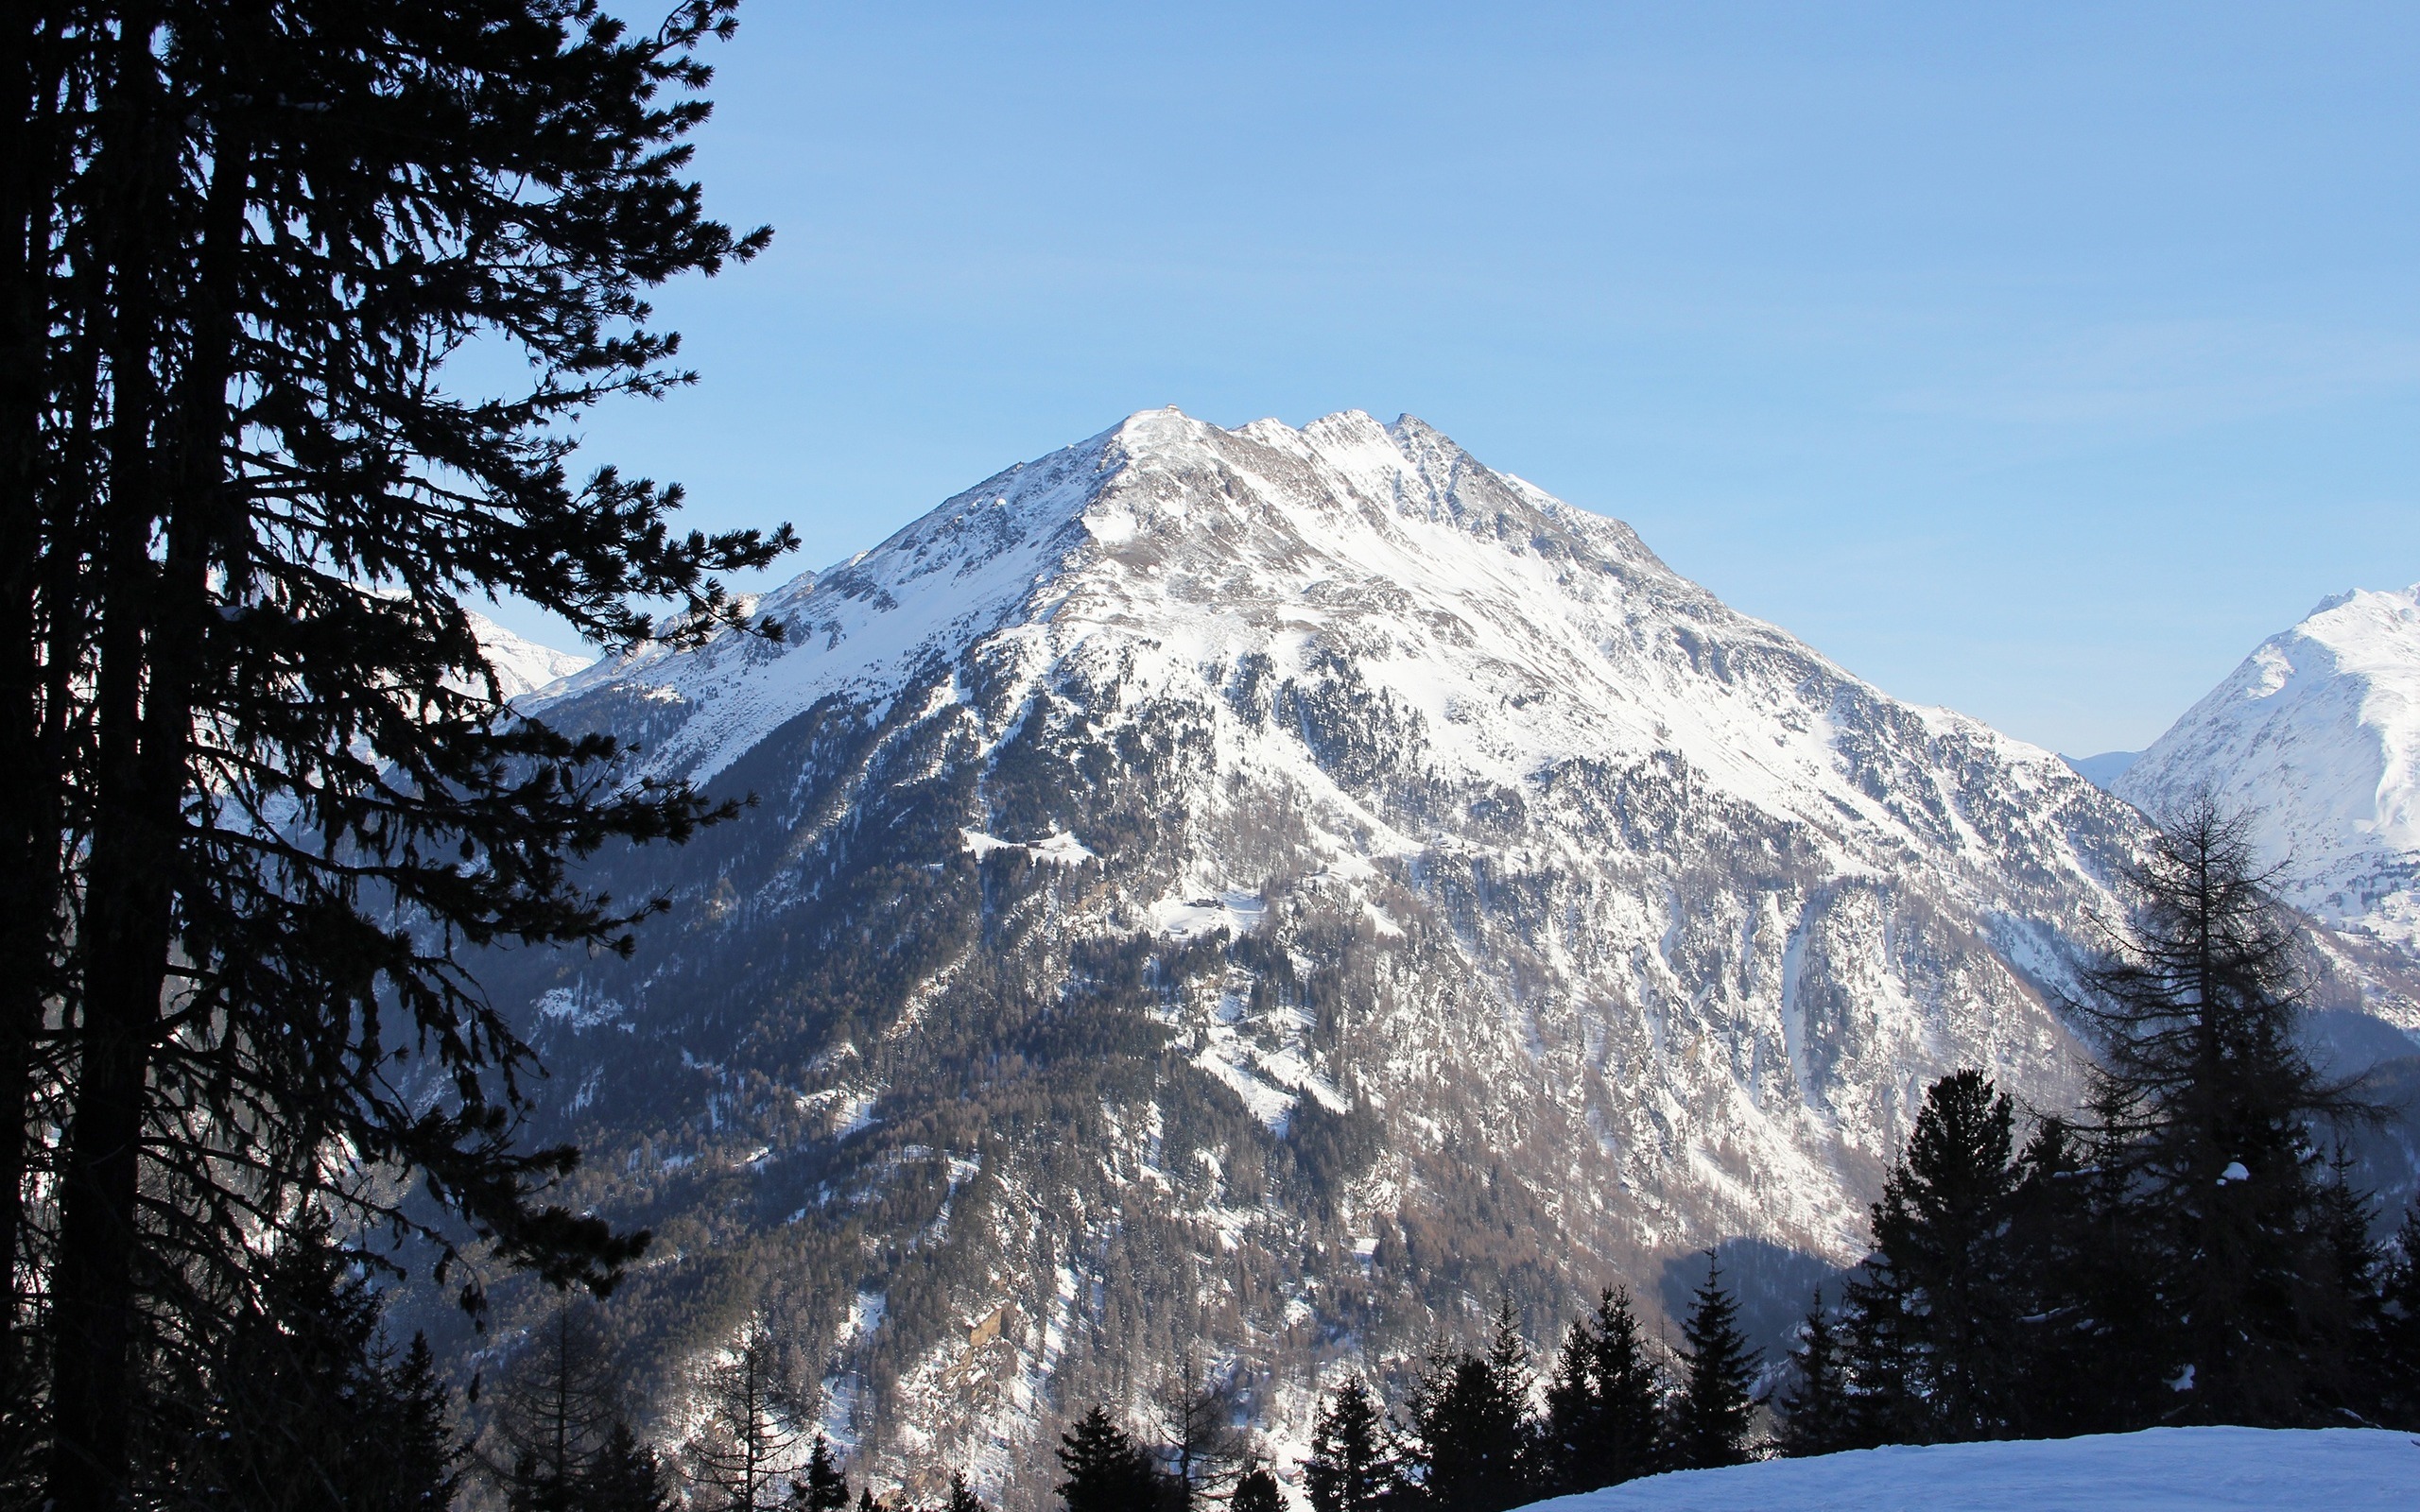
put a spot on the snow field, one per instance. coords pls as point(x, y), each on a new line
point(2161, 1469)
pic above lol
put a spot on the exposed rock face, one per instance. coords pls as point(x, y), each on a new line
point(1285, 888)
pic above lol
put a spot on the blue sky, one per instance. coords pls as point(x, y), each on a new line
point(2036, 360)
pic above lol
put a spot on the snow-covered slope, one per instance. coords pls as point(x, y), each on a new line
point(1282, 888)
point(522, 665)
point(2316, 737)
point(2163, 1469)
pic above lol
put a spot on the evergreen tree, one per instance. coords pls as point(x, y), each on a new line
point(962, 1499)
point(2399, 1329)
point(280, 801)
point(307, 1409)
point(2344, 1304)
point(1348, 1469)
point(822, 1489)
point(1943, 1268)
point(1712, 1411)
point(865, 1500)
point(1470, 1443)
point(427, 1455)
point(626, 1476)
point(1256, 1491)
point(1814, 1411)
point(1885, 1404)
point(1106, 1470)
point(2207, 1104)
point(1604, 1406)
point(2088, 1348)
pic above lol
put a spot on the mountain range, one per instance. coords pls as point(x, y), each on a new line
point(1273, 893)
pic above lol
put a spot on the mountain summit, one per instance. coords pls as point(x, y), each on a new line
point(1282, 888)
point(2316, 738)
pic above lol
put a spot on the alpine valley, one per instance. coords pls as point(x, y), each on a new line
point(1284, 889)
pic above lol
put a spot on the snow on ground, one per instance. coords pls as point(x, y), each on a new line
point(2163, 1469)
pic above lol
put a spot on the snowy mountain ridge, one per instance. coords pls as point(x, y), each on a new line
point(1275, 889)
point(1073, 551)
point(521, 664)
point(2316, 737)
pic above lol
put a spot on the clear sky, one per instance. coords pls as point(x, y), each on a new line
point(2034, 359)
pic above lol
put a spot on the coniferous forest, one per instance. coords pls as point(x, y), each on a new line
point(265, 802)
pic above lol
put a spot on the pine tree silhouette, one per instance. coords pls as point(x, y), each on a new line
point(1711, 1413)
point(626, 1476)
point(1605, 1407)
point(822, 1489)
point(1256, 1491)
point(1470, 1443)
point(1349, 1468)
point(1106, 1470)
point(1814, 1411)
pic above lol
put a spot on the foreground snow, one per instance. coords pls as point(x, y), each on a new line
point(2165, 1470)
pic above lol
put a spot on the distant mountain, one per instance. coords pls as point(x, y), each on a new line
point(522, 665)
point(1274, 890)
point(2103, 770)
point(2316, 737)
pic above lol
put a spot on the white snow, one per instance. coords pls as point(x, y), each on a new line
point(2163, 1469)
point(521, 664)
point(1353, 595)
point(1058, 848)
point(2316, 739)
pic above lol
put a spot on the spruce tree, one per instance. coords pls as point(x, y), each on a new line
point(2088, 1338)
point(426, 1455)
point(1256, 1491)
point(278, 794)
point(2207, 1104)
point(962, 1498)
point(1814, 1410)
point(2399, 1328)
point(1712, 1410)
point(626, 1476)
point(308, 1408)
point(1348, 1469)
point(2345, 1305)
point(1630, 1392)
point(1470, 1443)
point(1604, 1405)
point(1106, 1470)
point(1943, 1267)
point(822, 1489)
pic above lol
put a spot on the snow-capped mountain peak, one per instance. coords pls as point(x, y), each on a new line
point(521, 664)
point(2316, 738)
point(1299, 880)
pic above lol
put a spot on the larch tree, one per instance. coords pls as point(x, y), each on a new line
point(2209, 1107)
point(742, 1452)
